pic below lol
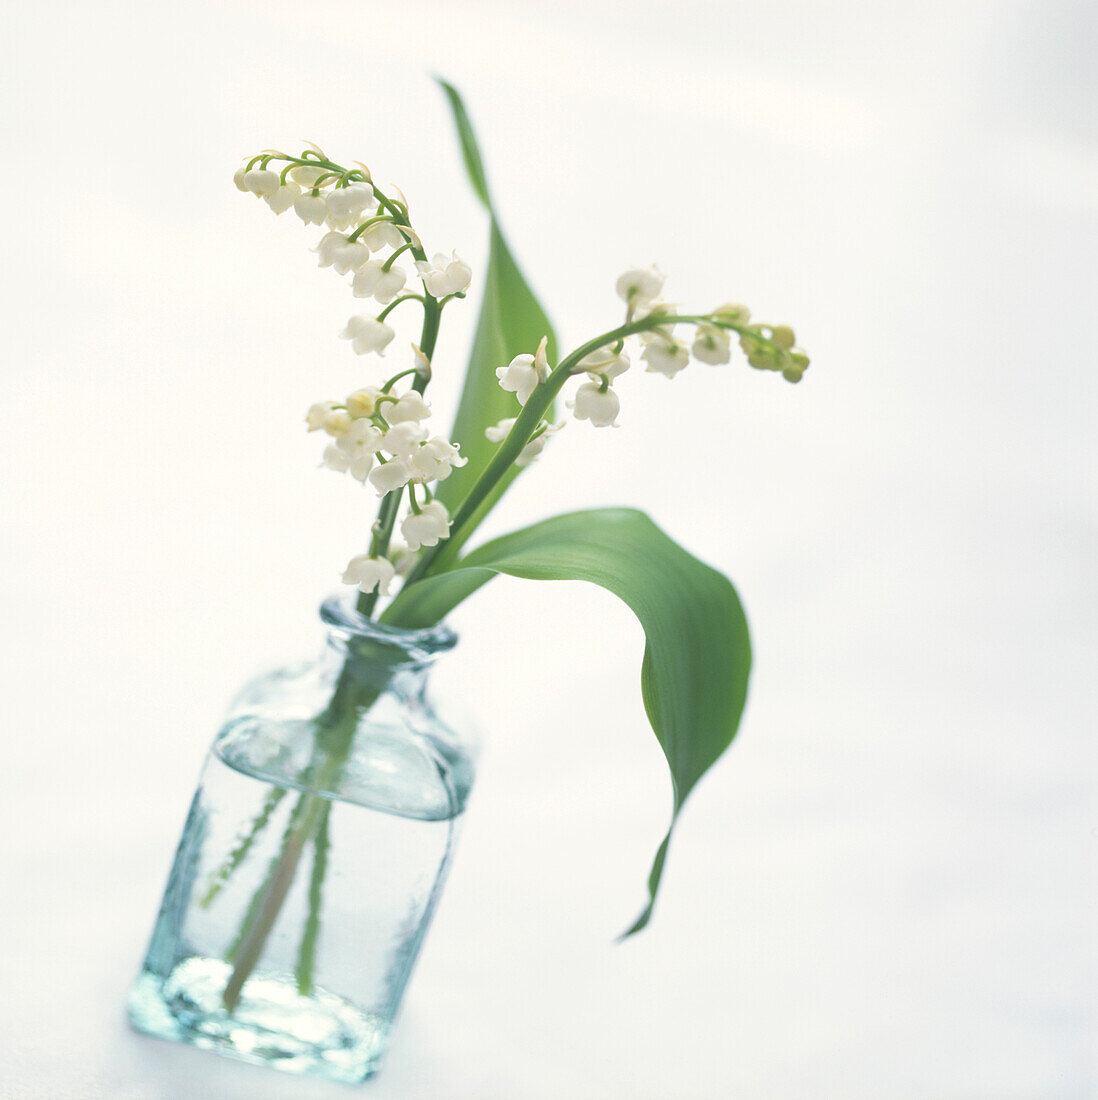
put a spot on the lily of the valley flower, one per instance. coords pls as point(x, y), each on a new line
point(403, 439)
point(282, 199)
point(343, 462)
point(665, 355)
point(445, 275)
point(367, 334)
point(338, 422)
point(427, 526)
point(497, 433)
point(436, 459)
point(712, 345)
point(261, 181)
point(605, 363)
point(347, 204)
point(318, 414)
point(394, 474)
point(309, 176)
point(310, 208)
point(410, 406)
point(594, 403)
point(733, 313)
point(382, 235)
point(525, 373)
point(363, 402)
point(369, 573)
point(639, 285)
point(373, 281)
point(335, 250)
point(353, 452)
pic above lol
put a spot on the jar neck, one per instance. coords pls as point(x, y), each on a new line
point(374, 657)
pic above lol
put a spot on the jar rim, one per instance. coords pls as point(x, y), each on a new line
point(338, 612)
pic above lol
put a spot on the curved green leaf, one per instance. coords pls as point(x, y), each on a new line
point(697, 652)
point(511, 321)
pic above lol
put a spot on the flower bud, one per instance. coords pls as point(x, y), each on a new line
point(733, 313)
point(363, 403)
point(781, 336)
point(337, 423)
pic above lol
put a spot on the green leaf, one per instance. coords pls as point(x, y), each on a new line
point(474, 165)
point(697, 652)
point(511, 322)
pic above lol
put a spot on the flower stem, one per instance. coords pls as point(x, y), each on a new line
point(335, 739)
point(306, 958)
point(524, 429)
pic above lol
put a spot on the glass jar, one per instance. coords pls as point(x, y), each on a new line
point(312, 859)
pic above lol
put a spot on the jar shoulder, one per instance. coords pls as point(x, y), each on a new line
point(402, 758)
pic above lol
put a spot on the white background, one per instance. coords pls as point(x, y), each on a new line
point(887, 887)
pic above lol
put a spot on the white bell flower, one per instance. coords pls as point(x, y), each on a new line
point(394, 474)
point(335, 250)
point(372, 281)
point(656, 305)
point(367, 334)
point(530, 452)
point(369, 573)
point(497, 433)
point(712, 345)
point(525, 373)
point(310, 208)
point(597, 405)
point(317, 414)
point(403, 439)
point(283, 198)
point(337, 423)
point(435, 460)
point(361, 438)
point(309, 176)
point(382, 235)
point(261, 181)
point(335, 458)
point(733, 313)
point(363, 402)
point(664, 355)
point(445, 275)
point(361, 466)
point(403, 558)
point(347, 204)
point(238, 179)
point(410, 406)
point(605, 363)
point(639, 285)
point(427, 526)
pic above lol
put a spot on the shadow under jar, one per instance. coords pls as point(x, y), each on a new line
point(312, 859)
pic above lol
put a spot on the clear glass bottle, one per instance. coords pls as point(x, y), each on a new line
point(311, 860)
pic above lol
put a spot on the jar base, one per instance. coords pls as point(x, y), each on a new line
point(272, 1025)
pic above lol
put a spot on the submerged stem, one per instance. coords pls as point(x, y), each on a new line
point(306, 957)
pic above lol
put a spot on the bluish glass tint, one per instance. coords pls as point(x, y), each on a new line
point(324, 989)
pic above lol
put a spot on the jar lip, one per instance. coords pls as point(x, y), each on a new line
point(339, 611)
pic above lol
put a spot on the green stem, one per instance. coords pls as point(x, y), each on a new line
point(304, 822)
point(306, 958)
point(526, 425)
point(243, 846)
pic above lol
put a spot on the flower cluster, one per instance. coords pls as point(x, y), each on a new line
point(652, 322)
point(376, 435)
point(380, 438)
point(366, 233)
